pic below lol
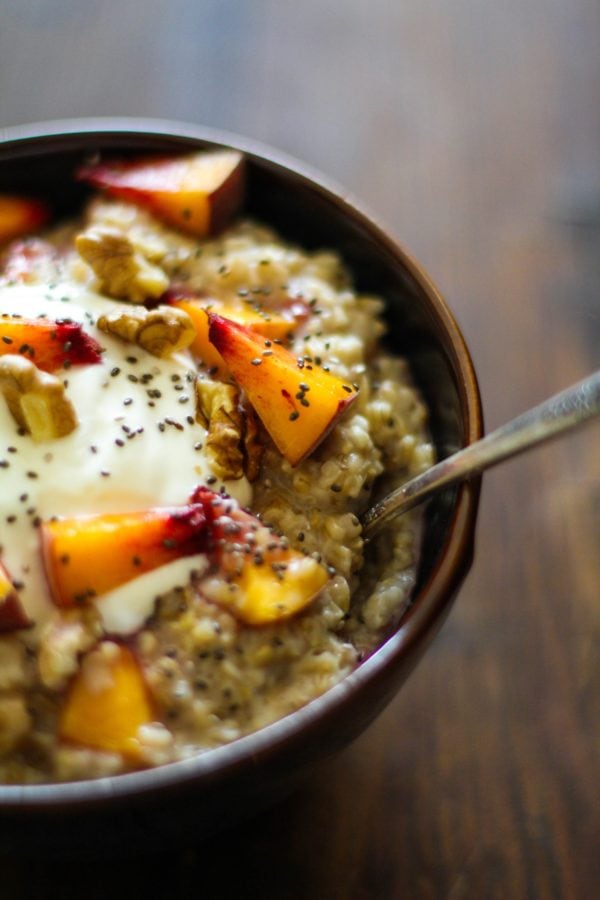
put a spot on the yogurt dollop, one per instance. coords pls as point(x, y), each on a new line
point(137, 443)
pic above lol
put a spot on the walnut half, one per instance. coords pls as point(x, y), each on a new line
point(37, 400)
point(161, 331)
point(231, 444)
point(120, 267)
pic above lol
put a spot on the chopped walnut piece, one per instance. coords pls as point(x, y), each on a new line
point(218, 410)
point(233, 444)
point(140, 226)
point(161, 331)
point(37, 400)
point(121, 268)
point(253, 444)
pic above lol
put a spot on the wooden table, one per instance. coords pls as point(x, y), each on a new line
point(474, 130)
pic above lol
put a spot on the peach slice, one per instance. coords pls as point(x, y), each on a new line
point(198, 193)
point(296, 399)
point(275, 322)
point(50, 344)
point(20, 216)
point(12, 614)
point(257, 576)
point(85, 557)
point(107, 702)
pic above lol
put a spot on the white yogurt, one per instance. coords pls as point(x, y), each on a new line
point(137, 443)
point(124, 610)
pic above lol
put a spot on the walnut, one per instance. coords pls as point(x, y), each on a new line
point(218, 410)
point(161, 331)
point(233, 443)
point(253, 444)
point(141, 227)
point(121, 268)
point(37, 400)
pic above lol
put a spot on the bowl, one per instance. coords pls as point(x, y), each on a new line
point(200, 795)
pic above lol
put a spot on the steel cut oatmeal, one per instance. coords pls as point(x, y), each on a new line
point(193, 415)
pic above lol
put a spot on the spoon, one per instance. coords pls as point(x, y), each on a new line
point(562, 412)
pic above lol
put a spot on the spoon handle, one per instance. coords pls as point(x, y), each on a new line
point(564, 411)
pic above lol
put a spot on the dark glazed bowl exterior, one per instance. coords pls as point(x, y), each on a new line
point(200, 795)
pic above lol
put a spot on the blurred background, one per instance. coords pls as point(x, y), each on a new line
point(472, 130)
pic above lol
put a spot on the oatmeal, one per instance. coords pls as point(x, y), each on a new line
point(194, 415)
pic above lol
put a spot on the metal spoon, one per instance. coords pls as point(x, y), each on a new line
point(562, 412)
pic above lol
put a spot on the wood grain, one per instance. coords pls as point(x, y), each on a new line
point(474, 130)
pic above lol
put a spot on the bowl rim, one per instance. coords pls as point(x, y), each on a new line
point(435, 596)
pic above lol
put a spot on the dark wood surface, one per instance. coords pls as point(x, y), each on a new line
point(473, 129)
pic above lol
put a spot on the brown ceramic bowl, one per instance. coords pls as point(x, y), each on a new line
point(200, 795)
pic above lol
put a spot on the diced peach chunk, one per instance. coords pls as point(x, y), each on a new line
point(274, 322)
point(20, 216)
point(12, 614)
point(297, 400)
point(198, 193)
point(257, 576)
point(107, 703)
point(51, 345)
point(86, 557)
